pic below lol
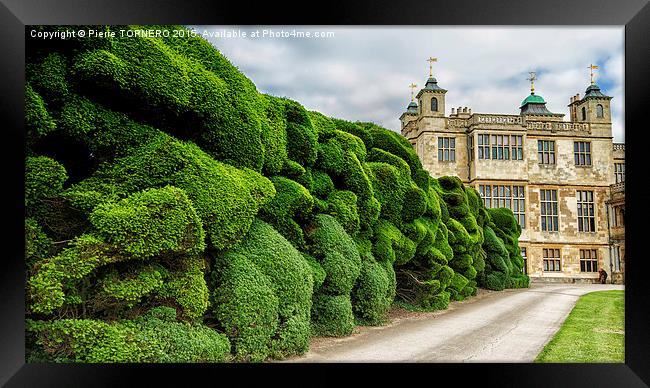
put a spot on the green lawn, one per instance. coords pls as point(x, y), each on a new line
point(593, 331)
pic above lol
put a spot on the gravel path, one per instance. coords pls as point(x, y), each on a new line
point(506, 326)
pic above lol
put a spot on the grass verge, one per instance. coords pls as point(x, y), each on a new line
point(594, 331)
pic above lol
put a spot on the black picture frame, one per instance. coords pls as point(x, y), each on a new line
point(633, 14)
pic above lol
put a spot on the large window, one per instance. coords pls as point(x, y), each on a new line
point(599, 111)
point(523, 255)
point(582, 153)
point(551, 260)
point(586, 218)
point(588, 260)
point(447, 149)
point(511, 197)
point(434, 104)
point(500, 147)
point(584, 113)
point(619, 172)
point(548, 206)
point(546, 151)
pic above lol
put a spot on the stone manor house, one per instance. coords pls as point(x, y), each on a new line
point(563, 180)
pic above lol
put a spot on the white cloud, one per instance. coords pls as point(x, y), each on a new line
point(363, 73)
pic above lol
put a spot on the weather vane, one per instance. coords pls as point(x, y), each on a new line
point(592, 67)
point(431, 60)
point(532, 77)
point(412, 86)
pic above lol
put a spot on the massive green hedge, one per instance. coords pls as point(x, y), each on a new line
point(176, 214)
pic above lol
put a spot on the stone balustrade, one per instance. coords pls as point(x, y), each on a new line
point(557, 126)
point(618, 187)
point(497, 119)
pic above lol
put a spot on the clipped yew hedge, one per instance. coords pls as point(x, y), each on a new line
point(176, 214)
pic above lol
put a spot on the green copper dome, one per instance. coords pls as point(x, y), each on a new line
point(533, 98)
point(534, 105)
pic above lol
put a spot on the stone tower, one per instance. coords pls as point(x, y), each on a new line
point(410, 114)
point(593, 107)
point(431, 99)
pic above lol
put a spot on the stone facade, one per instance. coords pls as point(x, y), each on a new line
point(500, 156)
point(616, 213)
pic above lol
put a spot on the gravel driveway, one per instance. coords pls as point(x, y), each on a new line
point(506, 326)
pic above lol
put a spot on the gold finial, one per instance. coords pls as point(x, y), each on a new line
point(591, 68)
point(431, 60)
point(532, 77)
point(412, 86)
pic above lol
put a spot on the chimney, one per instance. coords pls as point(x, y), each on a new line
point(453, 111)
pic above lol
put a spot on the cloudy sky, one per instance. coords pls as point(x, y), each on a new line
point(363, 73)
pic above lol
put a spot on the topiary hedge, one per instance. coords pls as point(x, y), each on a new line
point(176, 214)
point(226, 198)
point(265, 312)
point(156, 336)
